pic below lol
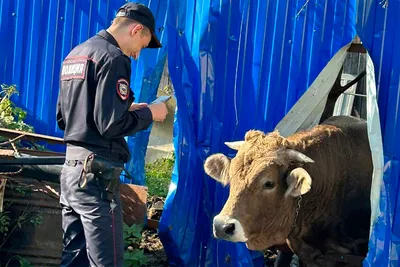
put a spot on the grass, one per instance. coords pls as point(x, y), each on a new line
point(158, 176)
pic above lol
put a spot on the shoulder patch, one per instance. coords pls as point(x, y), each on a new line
point(74, 68)
point(123, 89)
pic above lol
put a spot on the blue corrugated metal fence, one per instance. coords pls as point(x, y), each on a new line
point(378, 26)
point(235, 65)
point(35, 36)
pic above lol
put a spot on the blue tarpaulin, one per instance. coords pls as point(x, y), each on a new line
point(378, 26)
point(239, 65)
point(235, 66)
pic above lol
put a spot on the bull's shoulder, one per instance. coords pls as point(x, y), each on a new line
point(343, 129)
point(344, 122)
point(354, 129)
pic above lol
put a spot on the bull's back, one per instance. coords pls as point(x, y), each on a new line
point(347, 123)
point(355, 142)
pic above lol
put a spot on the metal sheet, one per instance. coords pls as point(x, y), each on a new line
point(40, 244)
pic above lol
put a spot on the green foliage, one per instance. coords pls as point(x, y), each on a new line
point(133, 256)
point(158, 176)
point(23, 191)
point(4, 222)
point(133, 234)
point(12, 117)
point(22, 261)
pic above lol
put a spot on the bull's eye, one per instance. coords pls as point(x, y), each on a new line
point(269, 185)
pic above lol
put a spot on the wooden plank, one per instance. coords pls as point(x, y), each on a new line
point(30, 136)
point(6, 153)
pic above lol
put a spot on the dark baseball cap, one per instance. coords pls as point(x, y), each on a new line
point(143, 15)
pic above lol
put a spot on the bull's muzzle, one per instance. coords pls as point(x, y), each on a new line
point(228, 228)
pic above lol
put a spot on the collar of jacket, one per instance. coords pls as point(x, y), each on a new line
point(106, 35)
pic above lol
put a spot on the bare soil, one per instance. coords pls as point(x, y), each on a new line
point(153, 248)
point(151, 243)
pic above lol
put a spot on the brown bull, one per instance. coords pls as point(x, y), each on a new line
point(310, 190)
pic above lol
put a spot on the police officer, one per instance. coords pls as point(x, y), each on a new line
point(95, 110)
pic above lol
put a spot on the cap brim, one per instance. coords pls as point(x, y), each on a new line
point(154, 43)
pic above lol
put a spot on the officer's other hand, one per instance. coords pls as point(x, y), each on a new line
point(136, 106)
point(159, 111)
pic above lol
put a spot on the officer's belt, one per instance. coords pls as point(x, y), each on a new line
point(98, 164)
point(75, 152)
point(94, 165)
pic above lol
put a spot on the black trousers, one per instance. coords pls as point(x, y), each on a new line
point(92, 231)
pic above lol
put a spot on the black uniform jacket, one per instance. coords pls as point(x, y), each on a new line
point(95, 95)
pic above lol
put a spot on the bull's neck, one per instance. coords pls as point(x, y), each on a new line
point(297, 203)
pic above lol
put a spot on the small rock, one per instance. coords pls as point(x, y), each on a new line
point(159, 205)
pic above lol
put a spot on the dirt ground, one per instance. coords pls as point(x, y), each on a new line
point(153, 249)
point(151, 244)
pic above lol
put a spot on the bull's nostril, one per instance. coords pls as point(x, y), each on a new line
point(229, 228)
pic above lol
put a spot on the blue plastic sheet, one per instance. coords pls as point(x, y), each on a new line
point(378, 26)
point(235, 66)
point(384, 245)
point(146, 75)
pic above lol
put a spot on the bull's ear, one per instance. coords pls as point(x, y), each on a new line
point(299, 182)
point(217, 166)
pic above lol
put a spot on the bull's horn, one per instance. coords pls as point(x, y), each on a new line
point(295, 155)
point(235, 145)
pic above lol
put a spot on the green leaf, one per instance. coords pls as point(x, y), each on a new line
point(158, 176)
point(24, 262)
point(129, 255)
point(134, 258)
point(129, 263)
point(138, 235)
point(126, 228)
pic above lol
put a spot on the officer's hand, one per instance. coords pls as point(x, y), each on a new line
point(136, 106)
point(159, 111)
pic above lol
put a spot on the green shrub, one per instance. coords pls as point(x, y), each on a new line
point(158, 176)
point(133, 256)
point(12, 117)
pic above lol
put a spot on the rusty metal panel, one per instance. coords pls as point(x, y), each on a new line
point(42, 244)
point(134, 199)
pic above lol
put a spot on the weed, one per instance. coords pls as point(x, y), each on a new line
point(158, 176)
point(133, 256)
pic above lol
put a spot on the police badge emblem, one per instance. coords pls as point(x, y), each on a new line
point(123, 89)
